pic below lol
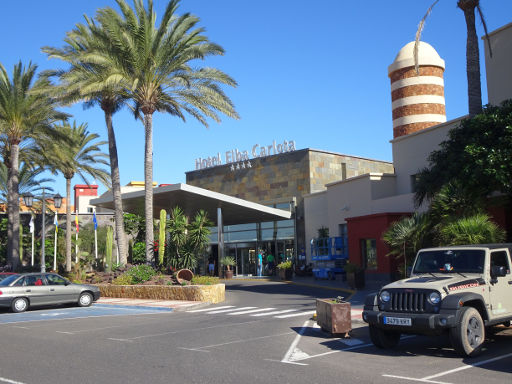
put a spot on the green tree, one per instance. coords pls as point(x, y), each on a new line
point(477, 229)
point(79, 154)
point(94, 82)
point(406, 236)
point(476, 159)
point(28, 181)
point(156, 63)
point(472, 50)
point(26, 114)
point(187, 239)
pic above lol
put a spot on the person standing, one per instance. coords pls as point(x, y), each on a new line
point(211, 265)
point(260, 263)
point(270, 263)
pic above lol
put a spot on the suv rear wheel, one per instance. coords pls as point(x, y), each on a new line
point(383, 339)
point(468, 335)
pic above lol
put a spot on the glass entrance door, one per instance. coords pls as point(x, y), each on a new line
point(246, 261)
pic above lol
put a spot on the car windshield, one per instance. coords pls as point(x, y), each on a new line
point(450, 261)
point(8, 280)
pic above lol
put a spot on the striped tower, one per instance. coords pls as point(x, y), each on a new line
point(417, 101)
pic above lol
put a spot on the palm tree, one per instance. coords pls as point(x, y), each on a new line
point(472, 51)
point(406, 236)
point(477, 229)
point(155, 62)
point(28, 181)
point(95, 84)
point(79, 154)
point(26, 113)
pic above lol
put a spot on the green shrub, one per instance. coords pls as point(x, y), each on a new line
point(139, 253)
point(285, 265)
point(205, 280)
point(124, 279)
point(141, 273)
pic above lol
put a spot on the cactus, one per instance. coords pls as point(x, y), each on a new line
point(161, 237)
point(108, 251)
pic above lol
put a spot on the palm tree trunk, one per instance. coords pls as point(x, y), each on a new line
point(13, 209)
point(116, 189)
point(472, 57)
point(68, 225)
point(148, 185)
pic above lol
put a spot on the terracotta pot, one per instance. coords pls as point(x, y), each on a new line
point(285, 274)
point(228, 274)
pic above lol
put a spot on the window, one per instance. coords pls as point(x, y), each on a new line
point(55, 280)
point(89, 209)
point(500, 259)
point(369, 253)
point(33, 280)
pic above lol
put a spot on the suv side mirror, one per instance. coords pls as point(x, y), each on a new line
point(498, 271)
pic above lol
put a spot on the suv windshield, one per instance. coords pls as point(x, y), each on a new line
point(450, 261)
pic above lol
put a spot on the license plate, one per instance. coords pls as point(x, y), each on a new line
point(397, 321)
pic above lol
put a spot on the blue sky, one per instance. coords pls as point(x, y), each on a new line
point(313, 72)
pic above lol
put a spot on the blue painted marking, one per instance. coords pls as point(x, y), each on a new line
point(96, 310)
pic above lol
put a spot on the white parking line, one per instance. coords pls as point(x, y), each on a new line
point(295, 314)
point(210, 309)
point(428, 379)
point(229, 310)
point(3, 379)
point(275, 312)
point(200, 349)
point(250, 311)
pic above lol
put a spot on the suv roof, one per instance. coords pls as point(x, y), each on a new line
point(489, 246)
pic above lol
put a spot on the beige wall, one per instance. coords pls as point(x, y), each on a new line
point(411, 152)
point(498, 67)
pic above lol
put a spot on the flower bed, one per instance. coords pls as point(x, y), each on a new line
point(206, 293)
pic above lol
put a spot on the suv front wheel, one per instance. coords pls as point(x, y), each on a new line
point(383, 339)
point(468, 335)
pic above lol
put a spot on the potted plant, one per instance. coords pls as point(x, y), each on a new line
point(285, 270)
point(334, 315)
point(228, 262)
point(355, 275)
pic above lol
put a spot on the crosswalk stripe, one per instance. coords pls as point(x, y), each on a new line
point(229, 310)
point(275, 312)
point(250, 311)
point(295, 314)
point(210, 309)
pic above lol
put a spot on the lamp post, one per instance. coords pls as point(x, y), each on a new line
point(28, 199)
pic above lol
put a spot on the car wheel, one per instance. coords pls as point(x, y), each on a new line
point(384, 339)
point(468, 335)
point(19, 304)
point(85, 300)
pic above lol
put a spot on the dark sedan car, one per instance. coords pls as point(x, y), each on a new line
point(21, 291)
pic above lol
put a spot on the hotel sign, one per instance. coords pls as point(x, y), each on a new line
point(236, 156)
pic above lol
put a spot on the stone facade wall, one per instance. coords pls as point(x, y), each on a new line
point(263, 179)
point(325, 167)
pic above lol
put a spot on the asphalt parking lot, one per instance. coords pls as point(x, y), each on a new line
point(65, 313)
point(261, 334)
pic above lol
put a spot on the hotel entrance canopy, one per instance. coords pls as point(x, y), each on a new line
point(232, 210)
